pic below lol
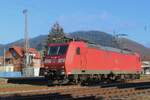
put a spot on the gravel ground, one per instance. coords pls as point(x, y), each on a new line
point(140, 97)
point(13, 87)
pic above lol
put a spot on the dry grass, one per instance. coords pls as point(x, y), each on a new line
point(140, 97)
point(145, 77)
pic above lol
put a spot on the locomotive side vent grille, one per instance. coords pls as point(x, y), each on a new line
point(83, 71)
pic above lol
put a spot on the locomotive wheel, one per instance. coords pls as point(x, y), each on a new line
point(49, 83)
point(64, 82)
point(138, 76)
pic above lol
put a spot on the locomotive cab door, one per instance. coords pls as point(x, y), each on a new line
point(83, 60)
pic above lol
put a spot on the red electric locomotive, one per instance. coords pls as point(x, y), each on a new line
point(82, 62)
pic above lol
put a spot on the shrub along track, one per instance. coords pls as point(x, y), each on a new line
point(103, 91)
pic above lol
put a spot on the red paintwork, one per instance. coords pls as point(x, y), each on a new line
point(102, 60)
point(55, 65)
point(95, 59)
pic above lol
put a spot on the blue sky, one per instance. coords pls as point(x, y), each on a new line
point(131, 17)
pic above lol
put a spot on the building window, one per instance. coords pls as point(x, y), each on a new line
point(14, 54)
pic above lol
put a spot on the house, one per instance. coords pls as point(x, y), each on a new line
point(15, 56)
point(145, 67)
point(1, 60)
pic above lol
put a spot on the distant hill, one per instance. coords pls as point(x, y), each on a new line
point(98, 37)
point(1, 45)
point(36, 42)
point(1, 49)
point(95, 36)
point(134, 46)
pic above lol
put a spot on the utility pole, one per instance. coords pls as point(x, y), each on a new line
point(114, 39)
point(26, 39)
point(118, 41)
point(4, 58)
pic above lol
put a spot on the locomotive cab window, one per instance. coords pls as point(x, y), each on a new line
point(57, 50)
point(78, 51)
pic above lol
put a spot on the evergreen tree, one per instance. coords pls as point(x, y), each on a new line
point(56, 35)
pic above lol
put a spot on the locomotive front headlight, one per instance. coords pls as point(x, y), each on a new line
point(61, 60)
point(45, 73)
point(62, 72)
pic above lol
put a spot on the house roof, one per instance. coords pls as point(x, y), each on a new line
point(34, 51)
point(20, 51)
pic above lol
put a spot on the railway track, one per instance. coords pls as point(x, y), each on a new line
point(112, 91)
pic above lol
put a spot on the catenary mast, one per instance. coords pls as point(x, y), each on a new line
point(26, 39)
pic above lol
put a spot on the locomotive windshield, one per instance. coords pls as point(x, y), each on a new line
point(57, 50)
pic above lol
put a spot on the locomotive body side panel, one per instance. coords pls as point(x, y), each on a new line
point(99, 61)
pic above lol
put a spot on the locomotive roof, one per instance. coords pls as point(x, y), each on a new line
point(97, 46)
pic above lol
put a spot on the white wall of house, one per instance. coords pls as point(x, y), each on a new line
point(145, 67)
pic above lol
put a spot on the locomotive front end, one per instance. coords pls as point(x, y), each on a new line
point(54, 62)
